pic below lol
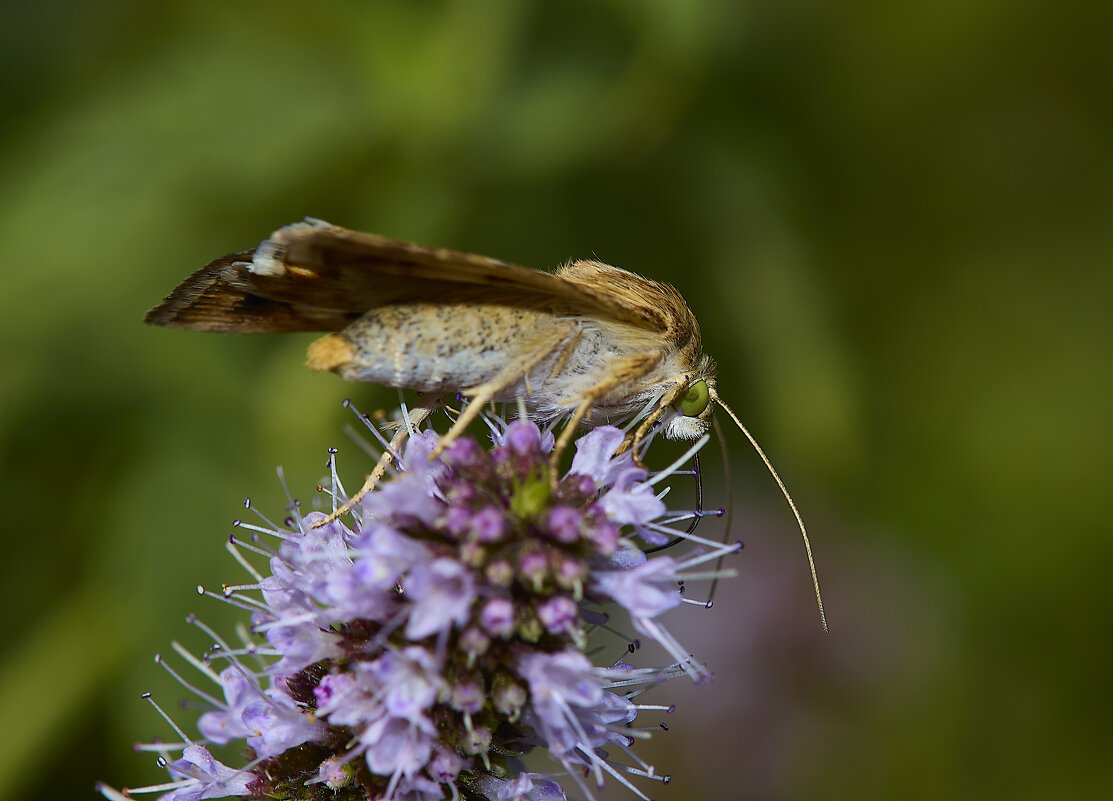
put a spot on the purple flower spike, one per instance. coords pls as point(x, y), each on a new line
point(564, 524)
point(226, 724)
point(404, 656)
point(497, 617)
point(595, 457)
point(646, 590)
point(488, 524)
point(442, 593)
point(463, 453)
point(522, 438)
point(559, 615)
point(204, 777)
point(278, 723)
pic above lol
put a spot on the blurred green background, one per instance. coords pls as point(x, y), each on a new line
point(894, 220)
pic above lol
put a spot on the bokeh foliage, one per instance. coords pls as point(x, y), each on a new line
point(895, 221)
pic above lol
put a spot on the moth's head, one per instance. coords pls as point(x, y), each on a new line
point(693, 406)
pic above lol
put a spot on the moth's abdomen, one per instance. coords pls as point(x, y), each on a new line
point(434, 347)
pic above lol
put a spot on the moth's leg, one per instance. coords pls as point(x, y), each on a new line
point(479, 396)
point(417, 416)
point(566, 352)
point(670, 397)
point(628, 368)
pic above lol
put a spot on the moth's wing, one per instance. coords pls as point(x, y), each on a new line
point(354, 271)
point(222, 296)
point(317, 276)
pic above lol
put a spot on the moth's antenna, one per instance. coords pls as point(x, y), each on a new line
point(792, 504)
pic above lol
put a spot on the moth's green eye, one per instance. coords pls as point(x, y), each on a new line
point(695, 400)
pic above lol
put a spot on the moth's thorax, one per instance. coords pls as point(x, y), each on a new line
point(674, 323)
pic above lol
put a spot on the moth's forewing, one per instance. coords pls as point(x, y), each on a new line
point(317, 277)
point(418, 273)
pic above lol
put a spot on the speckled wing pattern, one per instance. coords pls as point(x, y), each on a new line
point(320, 277)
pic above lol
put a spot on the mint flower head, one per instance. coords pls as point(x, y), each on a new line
point(438, 648)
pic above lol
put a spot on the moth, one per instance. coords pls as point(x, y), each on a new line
point(590, 343)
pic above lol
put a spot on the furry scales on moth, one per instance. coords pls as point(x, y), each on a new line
point(591, 342)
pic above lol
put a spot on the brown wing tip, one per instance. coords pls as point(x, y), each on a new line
point(155, 317)
point(164, 314)
point(169, 314)
point(202, 299)
point(189, 307)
